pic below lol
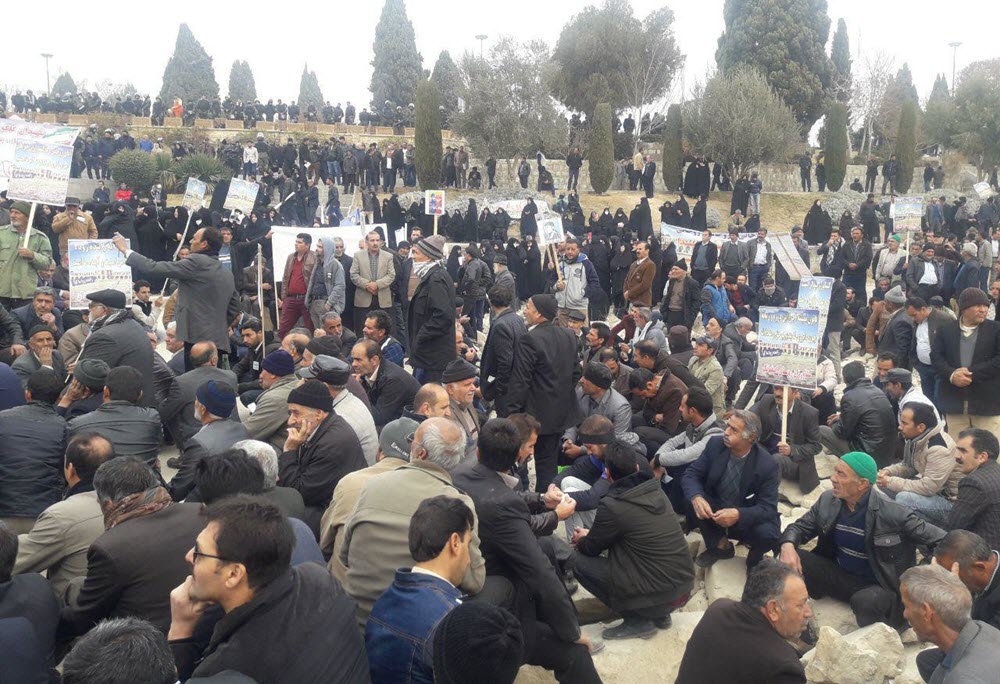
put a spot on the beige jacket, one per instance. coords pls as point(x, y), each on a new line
point(68, 228)
point(928, 467)
point(269, 420)
point(345, 498)
point(361, 275)
point(72, 341)
point(58, 543)
point(379, 529)
point(710, 373)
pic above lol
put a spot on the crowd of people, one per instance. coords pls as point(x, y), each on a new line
point(397, 460)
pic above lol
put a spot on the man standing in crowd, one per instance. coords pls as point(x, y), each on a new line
point(431, 313)
point(578, 284)
point(639, 279)
point(20, 265)
point(372, 273)
point(299, 267)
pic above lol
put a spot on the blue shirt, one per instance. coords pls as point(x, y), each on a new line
point(849, 538)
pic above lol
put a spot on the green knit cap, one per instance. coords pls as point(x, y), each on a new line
point(861, 463)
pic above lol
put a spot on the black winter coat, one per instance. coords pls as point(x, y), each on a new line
point(497, 364)
point(431, 321)
point(545, 364)
point(32, 444)
point(867, 422)
point(647, 553)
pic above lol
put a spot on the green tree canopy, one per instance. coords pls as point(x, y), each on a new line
point(427, 136)
point(899, 91)
point(840, 56)
point(64, 84)
point(786, 41)
point(448, 80)
point(189, 74)
point(397, 66)
point(739, 120)
point(309, 91)
point(508, 109)
point(601, 163)
point(241, 82)
point(673, 148)
point(906, 145)
point(835, 127)
point(606, 54)
point(977, 113)
point(938, 121)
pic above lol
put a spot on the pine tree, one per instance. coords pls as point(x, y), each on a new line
point(241, 82)
point(309, 91)
point(836, 146)
point(940, 89)
point(602, 149)
point(673, 148)
point(786, 41)
point(397, 66)
point(64, 84)
point(840, 55)
point(448, 80)
point(427, 136)
point(189, 74)
point(906, 145)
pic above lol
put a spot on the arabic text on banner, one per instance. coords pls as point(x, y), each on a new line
point(96, 265)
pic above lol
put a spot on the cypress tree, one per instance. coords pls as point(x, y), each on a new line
point(673, 148)
point(447, 78)
point(309, 91)
point(602, 149)
point(906, 145)
point(64, 84)
point(840, 54)
point(241, 82)
point(189, 74)
point(397, 66)
point(836, 146)
point(427, 136)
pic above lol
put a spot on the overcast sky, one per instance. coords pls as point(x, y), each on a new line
point(335, 39)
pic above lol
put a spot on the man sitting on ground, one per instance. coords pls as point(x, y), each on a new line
point(648, 569)
point(866, 421)
point(797, 456)
point(847, 565)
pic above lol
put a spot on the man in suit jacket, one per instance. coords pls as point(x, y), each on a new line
point(213, 404)
point(680, 307)
point(966, 357)
point(831, 263)
point(545, 365)
point(977, 506)
point(372, 273)
point(704, 258)
point(927, 323)
point(389, 387)
point(497, 363)
point(857, 259)
point(57, 544)
point(511, 550)
point(207, 302)
point(796, 456)
point(733, 491)
point(140, 559)
point(177, 410)
point(733, 255)
point(897, 335)
point(41, 354)
point(639, 279)
point(118, 339)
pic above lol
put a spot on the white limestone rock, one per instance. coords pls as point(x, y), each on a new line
point(866, 656)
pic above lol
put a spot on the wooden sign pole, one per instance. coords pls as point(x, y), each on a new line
point(784, 415)
point(27, 230)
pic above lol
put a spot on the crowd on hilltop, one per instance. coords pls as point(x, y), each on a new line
point(398, 459)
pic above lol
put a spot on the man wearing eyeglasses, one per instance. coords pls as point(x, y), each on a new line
point(241, 562)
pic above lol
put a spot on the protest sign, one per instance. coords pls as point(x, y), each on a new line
point(433, 202)
point(283, 242)
point(514, 207)
point(400, 235)
point(550, 231)
point(685, 239)
point(790, 258)
point(983, 189)
point(194, 194)
point(12, 130)
point(814, 293)
point(96, 265)
point(242, 195)
point(906, 214)
point(788, 346)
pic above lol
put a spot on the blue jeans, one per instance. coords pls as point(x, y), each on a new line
point(334, 171)
point(756, 278)
point(249, 169)
point(933, 509)
point(928, 381)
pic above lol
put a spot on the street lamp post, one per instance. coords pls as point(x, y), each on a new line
point(481, 37)
point(954, 56)
point(48, 86)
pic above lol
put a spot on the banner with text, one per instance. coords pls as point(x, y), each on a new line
point(242, 195)
point(283, 242)
point(96, 265)
point(789, 257)
point(13, 130)
point(814, 293)
point(906, 214)
point(685, 239)
point(194, 194)
point(788, 346)
point(514, 207)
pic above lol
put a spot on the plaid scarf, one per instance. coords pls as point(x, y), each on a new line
point(137, 505)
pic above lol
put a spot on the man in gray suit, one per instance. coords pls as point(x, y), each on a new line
point(207, 302)
point(214, 402)
point(372, 272)
point(177, 410)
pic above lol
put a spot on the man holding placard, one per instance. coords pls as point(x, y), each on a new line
point(21, 260)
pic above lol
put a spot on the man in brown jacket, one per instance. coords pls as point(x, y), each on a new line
point(639, 281)
point(73, 224)
point(295, 284)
